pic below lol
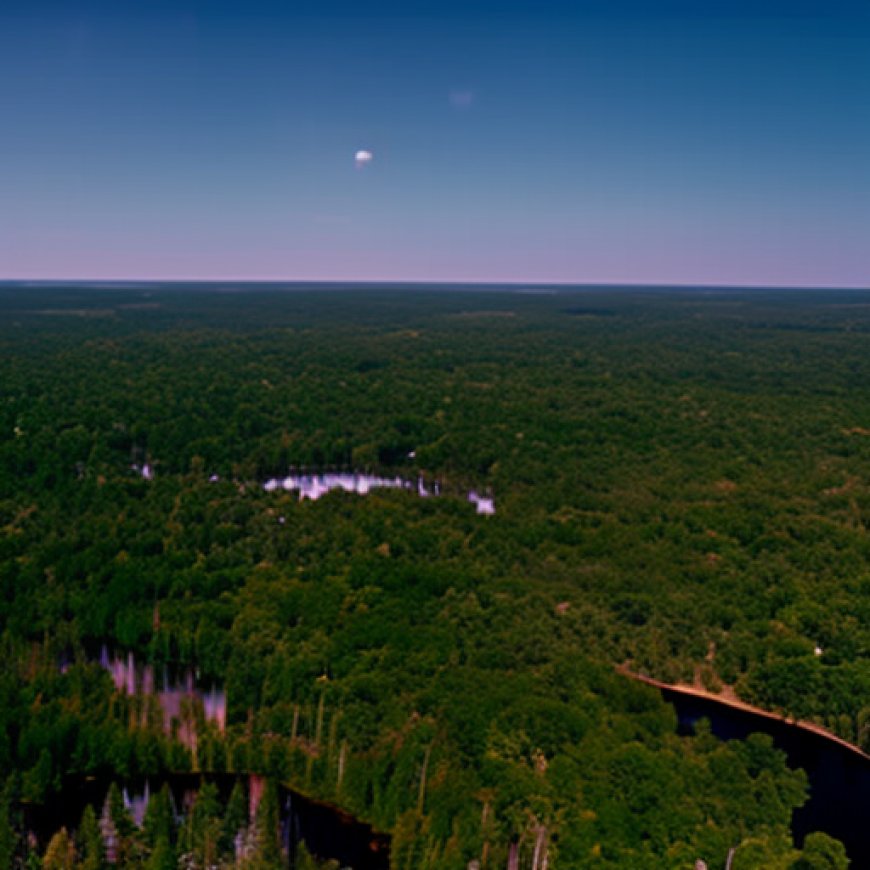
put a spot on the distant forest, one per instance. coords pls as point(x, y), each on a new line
point(681, 483)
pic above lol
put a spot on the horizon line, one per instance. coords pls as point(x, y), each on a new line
point(416, 282)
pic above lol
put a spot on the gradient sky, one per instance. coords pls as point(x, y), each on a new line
point(614, 141)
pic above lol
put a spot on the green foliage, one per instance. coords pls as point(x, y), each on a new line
point(90, 841)
point(306, 861)
point(8, 835)
point(235, 818)
point(680, 480)
point(200, 839)
point(764, 851)
point(159, 821)
point(822, 852)
point(162, 856)
point(268, 849)
point(60, 854)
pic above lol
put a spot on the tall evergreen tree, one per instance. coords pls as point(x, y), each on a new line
point(61, 853)
point(162, 856)
point(116, 826)
point(268, 854)
point(202, 831)
point(159, 821)
point(235, 818)
point(90, 842)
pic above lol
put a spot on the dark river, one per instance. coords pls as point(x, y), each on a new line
point(328, 833)
point(839, 778)
point(839, 792)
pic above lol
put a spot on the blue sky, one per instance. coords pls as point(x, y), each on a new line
point(672, 142)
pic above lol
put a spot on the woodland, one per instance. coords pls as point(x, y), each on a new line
point(681, 481)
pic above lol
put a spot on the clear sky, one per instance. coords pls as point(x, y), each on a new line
point(615, 141)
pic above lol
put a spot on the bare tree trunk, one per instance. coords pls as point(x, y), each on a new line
point(539, 859)
point(342, 753)
point(484, 818)
point(421, 794)
point(333, 736)
point(319, 726)
point(514, 857)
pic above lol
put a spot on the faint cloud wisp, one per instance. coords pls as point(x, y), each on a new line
point(461, 99)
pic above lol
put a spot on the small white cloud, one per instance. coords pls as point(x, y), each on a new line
point(363, 158)
point(461, 99)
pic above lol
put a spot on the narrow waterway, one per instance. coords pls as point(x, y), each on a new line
point(329, 834)
point(839, 777)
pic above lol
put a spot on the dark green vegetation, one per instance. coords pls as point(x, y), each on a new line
point(681, 483)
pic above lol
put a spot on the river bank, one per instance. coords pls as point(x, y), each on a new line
point(838, 772)
point(729, 699)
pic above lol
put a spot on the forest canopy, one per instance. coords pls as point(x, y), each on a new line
point(680, 482)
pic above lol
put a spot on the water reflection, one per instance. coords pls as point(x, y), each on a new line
point(327, 832)
point(313, 486)
point(174, 696)
point(839, 777)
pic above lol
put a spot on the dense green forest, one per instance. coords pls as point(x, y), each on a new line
point(681, 485)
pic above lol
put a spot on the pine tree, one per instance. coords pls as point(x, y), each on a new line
point(38, 780)
point(268, 818)
point(235, 818)
point(202, 831)
point(61, 853)
point(90, 841)
point(162, 856)
point(116, 826)
point(120, 816)
point(159, 821)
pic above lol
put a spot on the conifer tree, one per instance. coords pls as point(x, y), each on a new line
point(235, 818)
point(202, 830)
point(61, 853)
point(159, 821)
point(116, 826)
point(268, 856)
point(90, 841)
point(162, 856)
